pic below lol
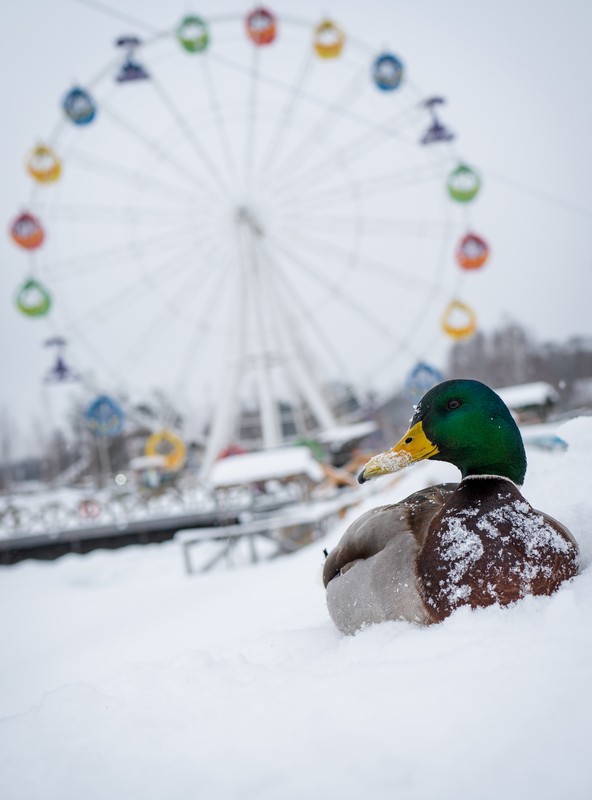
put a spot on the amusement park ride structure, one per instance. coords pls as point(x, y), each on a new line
point(251, 264)
point(302, 190)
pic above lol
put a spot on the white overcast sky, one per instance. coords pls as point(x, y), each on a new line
point(518, 80)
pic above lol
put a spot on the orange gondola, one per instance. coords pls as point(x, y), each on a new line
point(27, 232)
point(472, 251)
point(261, 26)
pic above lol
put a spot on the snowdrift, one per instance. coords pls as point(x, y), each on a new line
point(121, 677)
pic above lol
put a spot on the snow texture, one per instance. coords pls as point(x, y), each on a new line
point(283, 462)
point(528, 394)
point(389, 461)
point(461, 547)
point(121, 677)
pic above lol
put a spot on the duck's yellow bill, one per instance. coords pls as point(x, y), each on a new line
point(413, 446)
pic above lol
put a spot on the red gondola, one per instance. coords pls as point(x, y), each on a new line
point(26, 231)
point(261, 26)
point(472, 251)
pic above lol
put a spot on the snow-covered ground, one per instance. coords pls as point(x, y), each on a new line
point(121, 677)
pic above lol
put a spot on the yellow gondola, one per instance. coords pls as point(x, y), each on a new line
point(328, 39)
point(459, 320)
point(43, 164)
point(168, 444)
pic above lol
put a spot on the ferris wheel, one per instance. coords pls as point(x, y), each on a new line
point(249, 211)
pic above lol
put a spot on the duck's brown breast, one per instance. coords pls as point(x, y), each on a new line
point(488, 545)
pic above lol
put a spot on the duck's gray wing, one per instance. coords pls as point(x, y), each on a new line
point(370, 575)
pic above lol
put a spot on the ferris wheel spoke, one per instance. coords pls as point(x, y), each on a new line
point(369, 186)
point(277, 83)
point(80, 338)
point(308, 377)
point(288, 349)
point(375, 226)
point(407, 341)
point(402, 279)
point(124, 298)
point(251, 120)
point(294, 301)
point(102, 166)
point(131, 292)
point(286, 115)
point(117, 14)
point(304, 184)
point(97, 214)
point(169, 315)
point(337, 185)
point(89, 262)
point(336, 289)
point(319, 130)
point(359, 147)
point(155, 147)
point(219, 184)
point(220, 123)
point(203, 326)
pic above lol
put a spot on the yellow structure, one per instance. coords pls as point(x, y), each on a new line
point(168, 444)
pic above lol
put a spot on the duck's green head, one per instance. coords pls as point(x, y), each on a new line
point(465, 423)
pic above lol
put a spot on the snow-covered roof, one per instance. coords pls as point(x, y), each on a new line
point(528, 394)
point(282, 462)
point(148, 462)
point(346, 433)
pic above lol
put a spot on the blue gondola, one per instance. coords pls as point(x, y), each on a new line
point(104, 417)
point(79, 106)
point(421, 378)
point(387, 72)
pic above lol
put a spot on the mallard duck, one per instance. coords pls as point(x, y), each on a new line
point(475, 543)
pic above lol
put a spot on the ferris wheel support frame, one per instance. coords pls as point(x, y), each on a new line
point(249, 233)
point(251, 263)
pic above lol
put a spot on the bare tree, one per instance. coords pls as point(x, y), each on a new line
point(7, 432)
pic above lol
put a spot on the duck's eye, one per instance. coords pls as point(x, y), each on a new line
point(452, 404)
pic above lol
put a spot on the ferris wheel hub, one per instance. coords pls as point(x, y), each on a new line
point(245, 216)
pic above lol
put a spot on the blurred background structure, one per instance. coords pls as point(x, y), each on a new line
point(236, 228)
